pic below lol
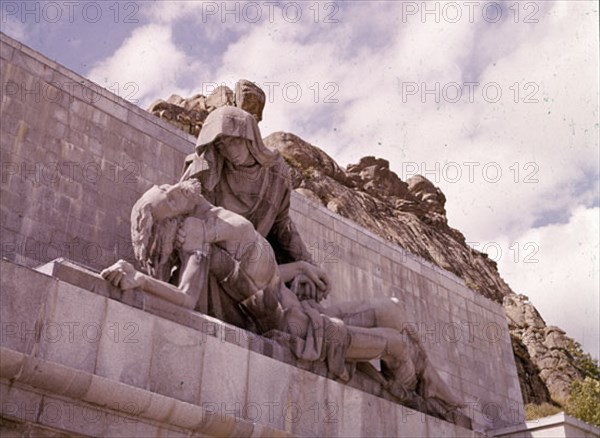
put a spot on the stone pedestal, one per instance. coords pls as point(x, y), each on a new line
point(76, 360)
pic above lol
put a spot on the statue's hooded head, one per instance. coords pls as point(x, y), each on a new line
point(155, 220)
point(229, 121)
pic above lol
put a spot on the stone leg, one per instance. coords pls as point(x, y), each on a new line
point(409, 376)
point(376, 313)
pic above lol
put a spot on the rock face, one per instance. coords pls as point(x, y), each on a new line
point(547, 346)
point(411, 214)
point(189, 114)
point(186, 114)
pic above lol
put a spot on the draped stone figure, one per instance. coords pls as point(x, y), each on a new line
point(221, 242)
point(176, 224)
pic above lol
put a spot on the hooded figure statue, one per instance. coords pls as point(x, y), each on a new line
point(260, 192)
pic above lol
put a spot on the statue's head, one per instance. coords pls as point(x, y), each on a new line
point(154, 221)
point(231, 134)
point(250, 98)
point(235, 150)
point(169, 201)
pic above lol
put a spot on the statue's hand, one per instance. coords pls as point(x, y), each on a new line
point(304, 288)
point(319, 277)
point(191, 235)
point(311, 282)
point(123, 275)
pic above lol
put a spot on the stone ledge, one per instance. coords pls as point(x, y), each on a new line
point(84, 278)
point(210, 327)
point(32, 385)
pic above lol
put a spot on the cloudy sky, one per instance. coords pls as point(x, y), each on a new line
point(495, 102)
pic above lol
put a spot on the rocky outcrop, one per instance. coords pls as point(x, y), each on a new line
point(411, 214)
point(186, 114)
point(548, 347)
point(533, 388)
point(189, 114)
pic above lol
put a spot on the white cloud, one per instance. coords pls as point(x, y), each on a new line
point(150, 59)
point(167, 12)
point(557, 268)
point(292, 83)
point(558, 133)
point(553, 141)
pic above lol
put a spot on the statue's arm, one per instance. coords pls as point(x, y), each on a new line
point(122, 274)
point(284, 235)
point(296, 263)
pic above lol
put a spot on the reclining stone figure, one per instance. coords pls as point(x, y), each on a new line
point(175, 229)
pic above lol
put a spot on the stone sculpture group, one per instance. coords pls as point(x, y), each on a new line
point(221, 241)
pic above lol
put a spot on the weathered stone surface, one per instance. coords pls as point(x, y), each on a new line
point(185, 115)
point(189, 114)
point(532, 386)
point(547, 348)
point(78, 163)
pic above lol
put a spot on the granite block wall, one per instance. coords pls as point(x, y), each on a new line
point(465, 334)
point(75, 157)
